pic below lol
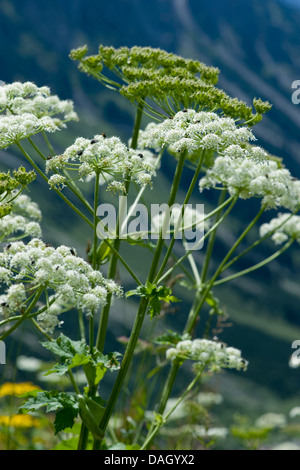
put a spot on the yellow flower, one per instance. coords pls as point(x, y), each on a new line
point(19, 389)
point(19, 421)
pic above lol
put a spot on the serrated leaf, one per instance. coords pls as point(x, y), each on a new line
point(41, 399)
point(65, 348)
point(59, 369)
point(65, 418)
point(155, 295)
point(52, 400)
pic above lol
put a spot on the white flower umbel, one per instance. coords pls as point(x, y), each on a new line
point(59, 271)
point(284, 227)
point(14, 128)
point(206, 353)
point(14, 298)
point(192, 131)
point(12, 91)
point(271, 421)
point(57, 181)
point(23, 221)
point(246, 176)
point(294, 412)
point(23, 205)
point(107, 157)
point(23, 98)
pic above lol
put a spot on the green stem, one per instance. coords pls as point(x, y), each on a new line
point(258, 242)
point(211, 240)
point(25, 314)
point(70, 184)
point(137, 125)
point(94, 257)
point(36, 149)
point(48, 143)
point(83, 438)
point(186, 200)
point(157, 427)
point(233, 200)
point(193, 315)
point(195, 309)
point(102, 328)
point(70, 373)
point(256, 266)
point(39, 171)
point(141, 311)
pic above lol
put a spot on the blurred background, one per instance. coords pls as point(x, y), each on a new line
point(256, 45)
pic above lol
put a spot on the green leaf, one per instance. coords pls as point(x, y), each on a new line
point(52, 400)
point(155, 295)
point(59, 369)
point(103, 253)
point(65, 348)
point(91, 413)
point(213, 302)
point(65, 418)
point(41, 399)
point(170, 338)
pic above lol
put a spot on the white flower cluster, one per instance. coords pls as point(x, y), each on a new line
point(283, 227)
point(23, 98)
point(23, 221)
point(209, 398)
point(286, 446)
point(246, 176)
point(207, 353)
point(271, 421)
point(294, 412)
point(48, 319)
point(30, 109)
point(196, 430)
point(14, 128)
point(211, 433)
point(71, 279)
point(192, 131)
point(13, 91)
point(108, 157)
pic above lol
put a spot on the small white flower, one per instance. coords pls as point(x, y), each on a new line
point(107, 157)
point(14, 128)
point(282, 227)
point(74, 283)
point(207, 353)
point(247, 177)
point(271, 420)
point(57, 181)
point(294, 412)
point(192, 131)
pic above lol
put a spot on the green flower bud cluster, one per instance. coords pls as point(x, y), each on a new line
point(170, 81)
point(24, 177)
